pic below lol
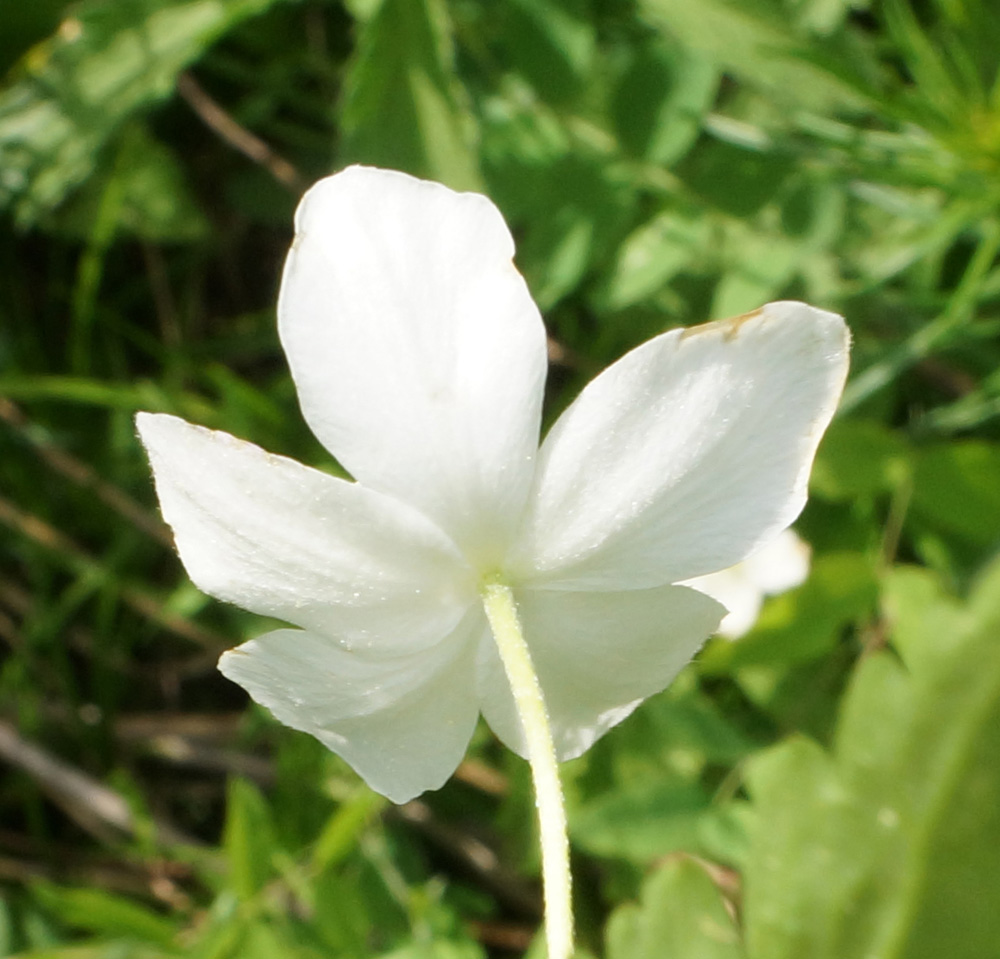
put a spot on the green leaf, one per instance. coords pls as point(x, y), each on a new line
point(956, 489)
point(755, 40)
point(575, 209)
point(888, 846)
point(97, 910)
point(859, 458)
point(550, 43)
point(343, 829)
point(652, 255)
point(109, 60)
point(682, 914)
point(152, 199)
point(248, 839)
point(661, 100)
point(25, 24)
point(924, 619)
point(641, 822)
point(805, 623)
point(439, 949)
point(759, 267)
point(403, 107)
point(735, 178)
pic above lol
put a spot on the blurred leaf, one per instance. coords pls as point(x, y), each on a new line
point(735, 178)
point(99, 949)
point(661, 100)
point(347, 928)
point(576, 208)
point(644, 821)
point(806, 622)
point(653, 254)
point(109, 59)
point(97, 910)
point(343, 829)
point(681, 914)
point(681, 731)
point(759, 267)
point(956, 488)
point(261, 940)
point(402, 105)
point(152, 198)
point(440, 949)
point(248, 839)
point(551, 43)
point(755, 40)
point(859, 458)
point(888, 846)
point(925, 621)
point(25, 24)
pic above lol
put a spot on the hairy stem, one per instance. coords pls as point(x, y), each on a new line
point(498, 600)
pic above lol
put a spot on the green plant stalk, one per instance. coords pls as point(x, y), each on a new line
point(932, 335)
point(501, 610)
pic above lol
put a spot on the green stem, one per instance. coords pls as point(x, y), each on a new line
point(501, 610)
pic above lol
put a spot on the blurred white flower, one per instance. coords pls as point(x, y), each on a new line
point(775, 568)
point(420, 361)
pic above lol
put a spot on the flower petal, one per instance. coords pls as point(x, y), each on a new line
point(597, 656)
point(403, 724)
point(687, 454)
point(778, 566)
point(283, 540)
point(737, 593)
point(417, 351)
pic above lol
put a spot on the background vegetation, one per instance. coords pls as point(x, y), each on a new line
point(826, 787)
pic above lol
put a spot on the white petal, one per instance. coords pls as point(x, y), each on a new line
point(780, 565)
point(417, 351)
point(403, 724)
point(597, 656)
point(741, 597)
point(687, 454)
point(283, 540)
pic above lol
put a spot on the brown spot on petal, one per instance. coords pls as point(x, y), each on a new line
point(730, 327)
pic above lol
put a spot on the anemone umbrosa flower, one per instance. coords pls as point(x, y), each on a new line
point(420, 360)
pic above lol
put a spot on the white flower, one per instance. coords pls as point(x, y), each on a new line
point(420, 362)
point(779, 566)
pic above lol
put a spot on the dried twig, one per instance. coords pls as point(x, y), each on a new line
point(90, 803)
point(509, 936)
point(236, 135)
point(196, 741)
point(23, 859)
point(485, 778)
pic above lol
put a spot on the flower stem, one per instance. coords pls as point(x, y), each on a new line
point(501, 610)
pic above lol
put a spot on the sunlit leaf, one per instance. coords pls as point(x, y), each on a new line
point(248, 839)
point(661, 100)
point(402, 106)
point(109, 59)
point(682, 913)
point(886, 847)
point(956, 489)
point(100, 911)
point(755, 40)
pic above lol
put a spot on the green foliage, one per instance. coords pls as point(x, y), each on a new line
point(826, 786)
point(108, 60)
point(403, 74)
point(886, 847)
point(681, 914)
